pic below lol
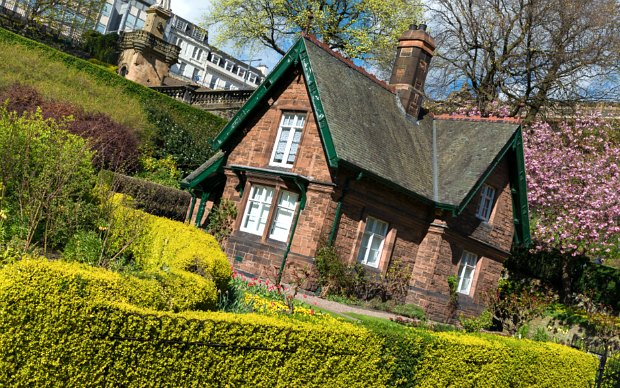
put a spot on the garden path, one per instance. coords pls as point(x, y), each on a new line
point(342, 309)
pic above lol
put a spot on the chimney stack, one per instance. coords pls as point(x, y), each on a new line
point(414, 53)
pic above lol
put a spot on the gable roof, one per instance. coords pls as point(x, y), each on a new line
point(362, 124)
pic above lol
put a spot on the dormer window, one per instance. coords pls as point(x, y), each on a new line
point(485, 206)
point(288, 139)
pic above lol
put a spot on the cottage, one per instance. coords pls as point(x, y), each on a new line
point(325, 151)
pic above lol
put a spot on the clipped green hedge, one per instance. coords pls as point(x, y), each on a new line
point(160, 244)
point(153, 198)
point(462, 360)
point(62, 330)
point(62, 333)
point(171, 291)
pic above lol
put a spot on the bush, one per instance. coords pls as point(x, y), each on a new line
point(150, 197)
point(66, 323)
point(456, 359)
point(84, 247)
point(160, 244)
point(473, 325)
point(115, 145)
point(47, 177)
point(67, 333)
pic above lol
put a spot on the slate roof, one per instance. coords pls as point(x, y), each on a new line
point(370, 130)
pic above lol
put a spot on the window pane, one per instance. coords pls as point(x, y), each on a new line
point(294, 145)
point(289, 137)
point(372, 242)
point(257, 210)
point(466, 272)
point(283, 218)
point(363, 248)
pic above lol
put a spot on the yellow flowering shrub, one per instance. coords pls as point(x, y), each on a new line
point(160, 244)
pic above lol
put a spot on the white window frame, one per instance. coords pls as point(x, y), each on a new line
point(467, 266)
point(371, 234)
point(293, 130)
point(485, 206)
point(264, 208)
point(283, 209)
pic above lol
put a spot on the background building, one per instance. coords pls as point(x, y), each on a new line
point(199, 63)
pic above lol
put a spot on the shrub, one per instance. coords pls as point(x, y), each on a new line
point(115, 145)
point(66, 323)
point(473, 325)
point(84, 247)
point(46, 175)
point(221, 219)
point(150, 197)
point(457, 359)
point(160, 244)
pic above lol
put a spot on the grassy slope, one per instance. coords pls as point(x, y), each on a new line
point(59, 76)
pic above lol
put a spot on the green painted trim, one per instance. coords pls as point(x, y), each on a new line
point(295, 177)
point(201, 208)
point(212, 169)
point(290, 59)
point(317, 105)
point(332, 233)
point(519, 195)
point(507, 147)
point(302, 204)
point(191, 207)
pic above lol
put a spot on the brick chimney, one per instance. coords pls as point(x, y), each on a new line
point(415, 50)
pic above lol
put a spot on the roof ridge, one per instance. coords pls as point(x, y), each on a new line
point(312, 38)
point(456, 117)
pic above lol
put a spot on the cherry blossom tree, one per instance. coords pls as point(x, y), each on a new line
point(574, 187)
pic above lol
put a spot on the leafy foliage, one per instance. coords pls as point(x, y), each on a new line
point(58, 315)
point(115, 145)
point(516, 303)
point(221, 219)
point(46, 177)
point(365, 29)
point(105, 48)
point(574, 187)
point(159, 244)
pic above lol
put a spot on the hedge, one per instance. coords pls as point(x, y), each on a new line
point(160, 244)
point(150, 197)
point(55, 332)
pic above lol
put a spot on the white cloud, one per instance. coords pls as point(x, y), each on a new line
point(192, 10)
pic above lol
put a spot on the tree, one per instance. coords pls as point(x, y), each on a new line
point(531, 52)
point(364, 29)
point(574, 187)
point(68, 17)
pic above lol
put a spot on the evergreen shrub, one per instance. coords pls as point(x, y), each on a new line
point(160, 244)
point(151, 197)
point(63, 324)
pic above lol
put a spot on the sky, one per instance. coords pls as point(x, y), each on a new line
point(194, 10)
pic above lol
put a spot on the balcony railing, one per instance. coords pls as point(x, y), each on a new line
point(207, 98)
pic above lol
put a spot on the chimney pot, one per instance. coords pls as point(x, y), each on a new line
point(413, 26)
point(422, 27)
